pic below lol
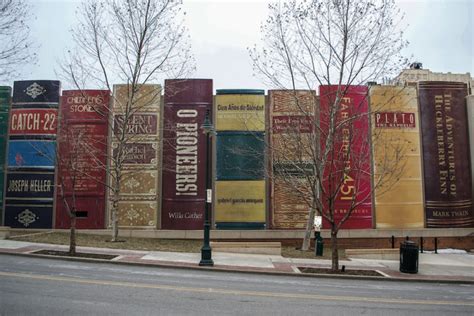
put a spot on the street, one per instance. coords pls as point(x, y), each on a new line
point(37, 286)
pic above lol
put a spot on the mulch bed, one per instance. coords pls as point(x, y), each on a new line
point(78, 254)
point(340, 272)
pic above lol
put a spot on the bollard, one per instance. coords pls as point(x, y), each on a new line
point(393, 242)
point(436, 244)
point(318, 244)
point(421, 244)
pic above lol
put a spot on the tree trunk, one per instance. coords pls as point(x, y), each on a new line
point(115, 199)
point(72, 236)
point(309, 229)
point(114, 221)
point(334, 249)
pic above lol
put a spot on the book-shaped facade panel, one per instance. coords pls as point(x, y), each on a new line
point(31, 157)
point(82, 146)
point(446, 161)
point(240, 204)
point(187, 102)
point(5, 104)
point(396, 157)
point(240, 156)
point(240, 110)
point(470, 116)
point(292, 115)
point(135, 144)
point(347, 170)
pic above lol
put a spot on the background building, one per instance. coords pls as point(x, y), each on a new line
point(417, 73)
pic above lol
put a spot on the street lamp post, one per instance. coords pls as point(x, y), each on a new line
point(206, 250)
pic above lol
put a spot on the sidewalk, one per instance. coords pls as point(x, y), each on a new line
point(432, 267)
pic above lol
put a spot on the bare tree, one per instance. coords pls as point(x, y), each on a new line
point(134, 42)
point(17, 48)
point(70, 161)
point(336, 45)
point(80, 156)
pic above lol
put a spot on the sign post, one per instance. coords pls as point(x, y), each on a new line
point(206, 250)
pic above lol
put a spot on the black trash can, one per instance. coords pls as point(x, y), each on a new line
point(408, 257)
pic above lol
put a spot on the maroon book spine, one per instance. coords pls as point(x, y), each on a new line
point(84, 123)
point(447, 173)
point(184, 153)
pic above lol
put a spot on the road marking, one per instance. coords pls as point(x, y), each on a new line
point(236, 292)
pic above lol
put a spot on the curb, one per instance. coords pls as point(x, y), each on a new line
point(234, 270)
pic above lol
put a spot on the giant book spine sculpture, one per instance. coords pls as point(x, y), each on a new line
point(292, 140)
point(240, 159)
point(470, 114)
point(134, 148)
point(446, 163)
point(184, 153)
point(396, 157)
point(82, 159)
point(350, 153)
point(32, 154)
point(5, 100)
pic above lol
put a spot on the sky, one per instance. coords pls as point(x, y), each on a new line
point(440, 32)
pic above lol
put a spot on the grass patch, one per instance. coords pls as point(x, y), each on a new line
point(103, 241)
point(147, 244)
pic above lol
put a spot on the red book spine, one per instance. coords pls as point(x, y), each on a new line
point(351, 154)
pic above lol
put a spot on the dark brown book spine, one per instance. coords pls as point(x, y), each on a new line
point(470, 113)
point(446, 166)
